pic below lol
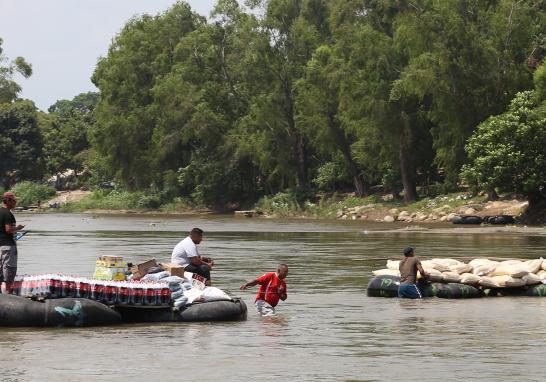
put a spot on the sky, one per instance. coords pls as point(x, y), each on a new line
point(63, 39)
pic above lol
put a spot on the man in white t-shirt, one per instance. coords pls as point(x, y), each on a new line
point(185, 254)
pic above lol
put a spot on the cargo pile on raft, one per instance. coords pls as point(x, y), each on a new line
point(451, 278)
point(146, 292)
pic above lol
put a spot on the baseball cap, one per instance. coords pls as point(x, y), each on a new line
point(408, 250)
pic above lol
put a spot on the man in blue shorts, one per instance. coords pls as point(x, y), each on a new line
point(408, 275)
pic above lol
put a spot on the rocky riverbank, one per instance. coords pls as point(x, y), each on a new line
point(432, 212)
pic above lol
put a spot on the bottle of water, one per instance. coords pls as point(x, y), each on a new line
point(101, 297)
point(17, 284)
point(93, 289)
point(165, 295)
point(123, 294)
point(55, 286)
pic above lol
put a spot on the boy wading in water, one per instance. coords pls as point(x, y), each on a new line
point(408, 274)
point(272, 289)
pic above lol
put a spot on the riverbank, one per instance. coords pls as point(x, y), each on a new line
point(442, 208)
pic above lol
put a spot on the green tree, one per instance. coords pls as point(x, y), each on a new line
point(506, 151)
point(9, 88)
point(65, 131)
point(319, 115)
point(465, 61)
point(139, 56)
point(285, 39)
point(20, 143)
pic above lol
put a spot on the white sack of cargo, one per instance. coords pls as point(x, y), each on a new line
point(461, 268)
point(214, 294)
point(431, 264)
point(505, 281)
point(393, 264)
point(515, 283)
point(484, 269)
point(434, 275)
point(533, 266)
point(386, 272)
point(447, 261)
point(543, 266)
point(488, 282)
point(510, 262)
point(541, 275)
point(451, 277)
point(470, 279)
point(531, 279)
point(515, 270)
point(479, 262)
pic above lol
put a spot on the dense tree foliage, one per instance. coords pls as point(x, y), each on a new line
point(9, 88)
point(20, 143)
point(508, 151)
point(64, 131)
point(309, 93)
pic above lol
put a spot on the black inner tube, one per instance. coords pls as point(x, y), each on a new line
point(18, 311)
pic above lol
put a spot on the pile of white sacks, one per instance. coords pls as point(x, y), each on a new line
point(479, 272)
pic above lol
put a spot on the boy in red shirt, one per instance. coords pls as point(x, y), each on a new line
point(272, 288)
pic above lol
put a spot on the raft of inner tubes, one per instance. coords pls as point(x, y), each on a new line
point(387, 286)
point(452, 278)
point(16, 311)
point(67, 301)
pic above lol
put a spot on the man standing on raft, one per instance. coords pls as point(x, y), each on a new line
point(272, 288)
point(8, 248)
point(408, 275)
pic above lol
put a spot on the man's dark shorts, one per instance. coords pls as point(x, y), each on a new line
point(409, 291)
point(8, 263)
point(202, 270)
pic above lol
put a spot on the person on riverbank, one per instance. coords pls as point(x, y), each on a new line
point(408, 274)
point(272, 289)
point(8, 246)
point(185, 254)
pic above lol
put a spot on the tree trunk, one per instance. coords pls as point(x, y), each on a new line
point(407, 170)
point(492, 195)
point(300, 146)
point(360, 187)
point(536, 211)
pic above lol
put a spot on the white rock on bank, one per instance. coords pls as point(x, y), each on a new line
point(451, 216)
point(403, 214)
point(388, 219)
point(420, 217)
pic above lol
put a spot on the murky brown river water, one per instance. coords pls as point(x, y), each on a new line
point(327, 330)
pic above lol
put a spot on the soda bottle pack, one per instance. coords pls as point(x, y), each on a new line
point(130, 293)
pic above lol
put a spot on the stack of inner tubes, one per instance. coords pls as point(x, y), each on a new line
point(387, 286)
point(473, 219)
point(18, 311)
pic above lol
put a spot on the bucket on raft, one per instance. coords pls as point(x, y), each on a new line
point(18, 311)
point(387, 286)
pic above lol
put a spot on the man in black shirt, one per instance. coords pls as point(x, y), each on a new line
point(8, 248)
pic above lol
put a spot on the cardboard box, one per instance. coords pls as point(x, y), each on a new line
point(109, 268)
point(173, 269)
point(140, 270)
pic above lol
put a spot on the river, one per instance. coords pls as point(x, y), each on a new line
point(327, 330)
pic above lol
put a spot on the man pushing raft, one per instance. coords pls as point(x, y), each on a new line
point(408, 267)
